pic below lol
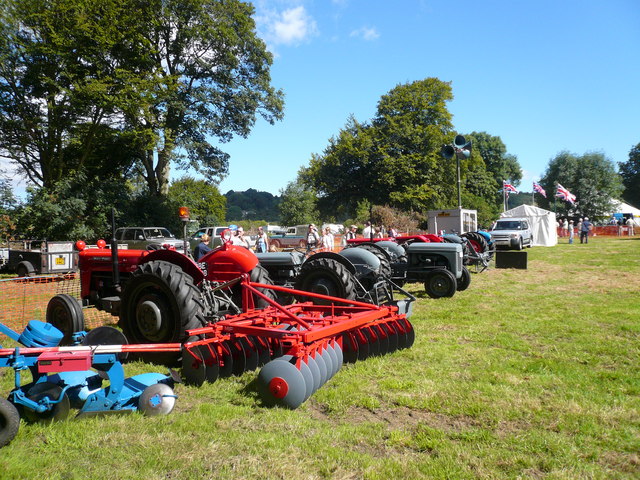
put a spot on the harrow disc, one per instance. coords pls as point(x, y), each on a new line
point(239, 357)
point(315, 372)
point(363, 344)
point(322, 366)
point(56, 411)
point(383, 339)
point(349, 347)
point(157, 399)
point(411, 334)
point(308, 379)
point(339, 355)
point(281, 383)
point(392, 336)
point(193, 367)
point(402, 334)
point(275, 347)
point(211, 363)
point(261, 346)
point(225, 360)
point(330, 352)
point(250, 353)
point(374, 343)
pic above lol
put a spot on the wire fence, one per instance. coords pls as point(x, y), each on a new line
point(25, 299)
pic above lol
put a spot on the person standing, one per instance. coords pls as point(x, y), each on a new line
point(630, 224)
point(565, 228)
point(328, 240)
point(313, 239)
point(262, 242)
point(392, 232)
point(584, 230)
point(368, 230)
point(571, 233)
point(202, 248)
point(349, 235)
point(239, 239)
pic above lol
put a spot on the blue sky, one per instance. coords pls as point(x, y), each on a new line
point(544, 76)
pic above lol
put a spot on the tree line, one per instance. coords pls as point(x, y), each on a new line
point(101, 99)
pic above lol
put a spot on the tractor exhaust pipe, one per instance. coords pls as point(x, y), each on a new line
point(114, 253)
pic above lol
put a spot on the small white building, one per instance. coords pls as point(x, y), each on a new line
point(452, 220)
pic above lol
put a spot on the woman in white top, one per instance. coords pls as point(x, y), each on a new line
point(327, 239)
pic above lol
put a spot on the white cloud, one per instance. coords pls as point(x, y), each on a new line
point(292, 26)
point(365, 33)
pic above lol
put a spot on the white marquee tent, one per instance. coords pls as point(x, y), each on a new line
point(543, 223)
point(624, 208)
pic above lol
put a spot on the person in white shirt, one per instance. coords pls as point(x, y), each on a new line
point(368, 230)
point(239, 238)
point(328, 240)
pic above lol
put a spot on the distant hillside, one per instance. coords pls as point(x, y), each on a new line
point(252, 205)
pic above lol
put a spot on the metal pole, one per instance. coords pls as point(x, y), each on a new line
point(459, 194)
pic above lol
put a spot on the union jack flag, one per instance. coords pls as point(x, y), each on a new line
point(537, 188)
point(507, 187)
point(565, 194)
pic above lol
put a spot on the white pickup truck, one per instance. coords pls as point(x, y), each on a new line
point(512, 233)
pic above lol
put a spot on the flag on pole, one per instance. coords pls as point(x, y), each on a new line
point(538, 189)
point(565, 194)
point(507, 187)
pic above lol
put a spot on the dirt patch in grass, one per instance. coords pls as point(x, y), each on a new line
point(397, 418)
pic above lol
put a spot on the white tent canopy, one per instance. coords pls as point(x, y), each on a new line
point(543, 223)
point(621, 207)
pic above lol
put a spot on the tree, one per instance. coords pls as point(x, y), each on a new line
point(591, 177)
point(167, 74)
point(630, 172)
point(206, 204)
point(72, 209)
point(298, 204)
point(213, 73)
point(395, 159)
point(502, 165)
point(61, 87)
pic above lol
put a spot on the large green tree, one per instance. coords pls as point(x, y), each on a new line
point(172, 76)
point(394, 159)
point(591, 177)
point(630, 172)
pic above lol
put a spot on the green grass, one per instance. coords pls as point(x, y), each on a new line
point(527, 374)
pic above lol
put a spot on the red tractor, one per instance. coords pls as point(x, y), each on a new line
point(160, 294)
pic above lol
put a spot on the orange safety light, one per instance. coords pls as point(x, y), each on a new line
point(184, 213)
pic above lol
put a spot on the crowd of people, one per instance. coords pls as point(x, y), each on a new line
point(583, 227)
point(314, 239)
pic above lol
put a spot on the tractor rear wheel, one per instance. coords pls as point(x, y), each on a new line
point(326, 276)
point(258, 275)
point(440, 283)
point(159, 303)
point(385, 264)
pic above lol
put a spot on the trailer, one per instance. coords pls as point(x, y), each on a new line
point(38, 257)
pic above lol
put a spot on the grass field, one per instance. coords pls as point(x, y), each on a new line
point(527, 374)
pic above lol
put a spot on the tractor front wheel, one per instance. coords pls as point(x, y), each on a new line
point(159, 303)
point(65, 313)
point(440, 283)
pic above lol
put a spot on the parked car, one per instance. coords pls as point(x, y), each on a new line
point(512, 233)
point(148, 238)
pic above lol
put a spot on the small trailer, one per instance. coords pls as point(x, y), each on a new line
point(42, 257)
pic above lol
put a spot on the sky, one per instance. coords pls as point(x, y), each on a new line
point(544, 76)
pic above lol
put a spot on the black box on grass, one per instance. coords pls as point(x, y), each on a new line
point(511, 260)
